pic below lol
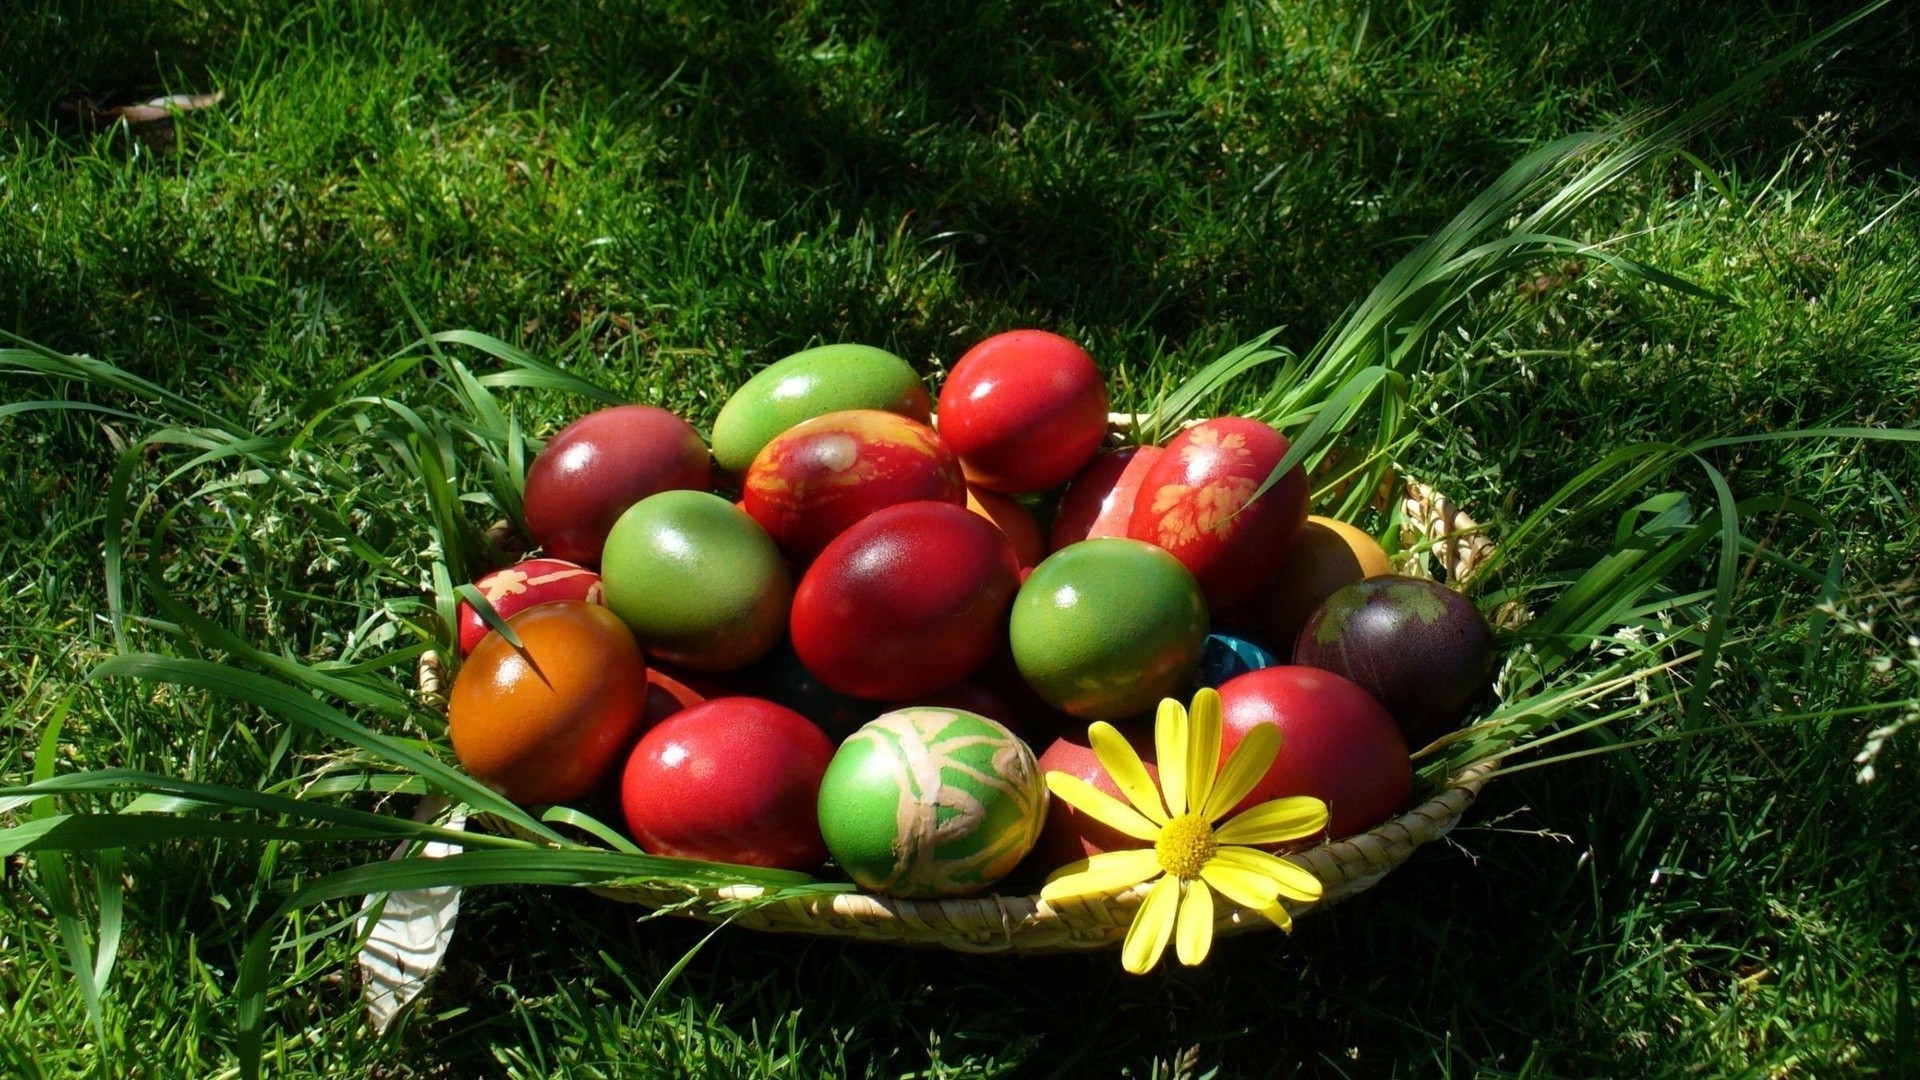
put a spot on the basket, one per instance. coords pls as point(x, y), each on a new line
point(996, 923)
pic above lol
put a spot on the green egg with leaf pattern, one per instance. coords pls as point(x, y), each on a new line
point(931, 802)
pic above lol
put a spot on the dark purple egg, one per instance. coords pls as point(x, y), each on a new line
point(1419, 647)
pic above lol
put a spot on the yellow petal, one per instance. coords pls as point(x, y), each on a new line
point(1203, 746)
point(1274, 821)
point(1250, 890)
point(1121, 763)
point(1101, 806)
point(1296, 882)
point(1194, 934)
point(1152, 926)
point(1107, 872)
point(1245, 767)
point(1170, 745)
point(1278, 916)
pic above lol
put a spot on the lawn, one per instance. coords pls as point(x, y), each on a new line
point(661, 198)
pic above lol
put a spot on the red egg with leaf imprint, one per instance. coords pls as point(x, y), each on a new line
point(905, 603)
point(1197, 502)
point(733, 779)
point(1100, 500)
point(516, 588)
point(820, 476)
point(601, 464)
point(1025, 410)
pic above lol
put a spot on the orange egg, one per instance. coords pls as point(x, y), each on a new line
point(1013, 519)
point(547, 725)
point(1327, 555)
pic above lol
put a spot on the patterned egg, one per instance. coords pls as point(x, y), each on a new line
point(518, 587)
point(929, 802)
point(817, 478)
point(1198, 503)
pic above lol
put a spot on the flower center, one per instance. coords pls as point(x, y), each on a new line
point(1185, 845)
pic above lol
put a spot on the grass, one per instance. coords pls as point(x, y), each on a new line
point(664, 199)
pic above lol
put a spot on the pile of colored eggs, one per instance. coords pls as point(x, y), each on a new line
point(847, 655)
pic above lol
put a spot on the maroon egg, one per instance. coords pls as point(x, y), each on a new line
point(1099, 502)
point(1419, 647)
point(821, 475)
point(1025, 410)
point(907, 602)
point(1070, 835)
point(600, 465)
point(1336, 743)
point(671, 689)
point(518, 587)
point(1197, 502)
point(733, 780)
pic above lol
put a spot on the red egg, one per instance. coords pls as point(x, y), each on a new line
point(1198, 503)
point(670, 690)
point(600, 465)
point(1070, 835)
point(733, 780)
point(522, 585)
point(1099, 502)
point(1336, 743)
point(1025, 410)
point(820, 476)
point(907, 602)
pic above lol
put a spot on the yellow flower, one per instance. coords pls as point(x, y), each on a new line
point(1190, 857)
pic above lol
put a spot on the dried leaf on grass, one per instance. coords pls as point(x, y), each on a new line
point(156, 110)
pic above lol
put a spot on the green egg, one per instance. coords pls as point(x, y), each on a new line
point(812, 383)
point(927, 802)
point(1105, 628)
point(697, 580)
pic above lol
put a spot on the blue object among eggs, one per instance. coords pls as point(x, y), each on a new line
point(1225, 656)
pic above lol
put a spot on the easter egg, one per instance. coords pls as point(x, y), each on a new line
point(670, 690)
point(1025, 410)
point(907, 602)
point(733, 780)
point(516, 588)
point(1197, 502)
point(600, 465)
point(1070, 835)
point(1419, 647)
point(545, 722)
point(926, 802)
point(1013, 519)
point(1336, 743)
point(1225, 656)
point(1327, 555)
point(820, 476)
point(1100, 500)
point(1106, 628)
point(810, 383)
point(699, 582)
